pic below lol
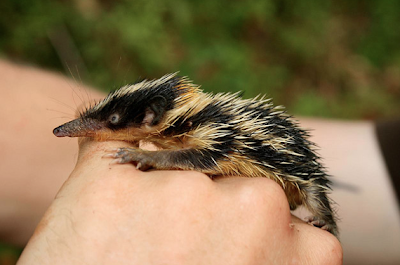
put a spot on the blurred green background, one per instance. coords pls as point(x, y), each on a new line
point(336, 59)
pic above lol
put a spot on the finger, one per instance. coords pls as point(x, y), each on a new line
point(316, 245)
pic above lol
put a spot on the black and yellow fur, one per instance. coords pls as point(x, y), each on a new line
point(220, 134)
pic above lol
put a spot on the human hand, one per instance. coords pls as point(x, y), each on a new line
point(115, 214)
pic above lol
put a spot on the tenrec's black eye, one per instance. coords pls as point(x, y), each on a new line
point(114, 118)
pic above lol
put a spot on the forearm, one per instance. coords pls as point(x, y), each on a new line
point(352, 156)
point(34, 163)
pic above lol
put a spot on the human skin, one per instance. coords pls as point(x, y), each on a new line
point(114, 214)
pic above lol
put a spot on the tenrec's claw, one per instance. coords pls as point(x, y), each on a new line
point(109, 155)
point(116, 161)
point(112, 150)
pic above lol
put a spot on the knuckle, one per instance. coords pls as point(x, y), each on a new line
point(334, 249)
point(328, 251)
point(188, 184)
point(262, 193)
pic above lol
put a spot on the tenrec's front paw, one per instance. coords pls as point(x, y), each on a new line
point(127, 155)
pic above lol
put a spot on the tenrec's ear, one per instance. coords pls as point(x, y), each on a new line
point(155, 111)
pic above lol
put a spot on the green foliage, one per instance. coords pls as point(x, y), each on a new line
point(327, 58)
point(9, 254)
